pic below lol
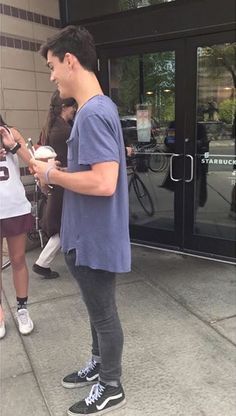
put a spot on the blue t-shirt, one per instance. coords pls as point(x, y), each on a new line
point(97, 226)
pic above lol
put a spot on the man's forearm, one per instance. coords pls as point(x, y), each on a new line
point(85, 182)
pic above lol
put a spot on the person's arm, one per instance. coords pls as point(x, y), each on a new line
point(23, 152)
point(129, 151)
point(12, 139)
point(101, 180)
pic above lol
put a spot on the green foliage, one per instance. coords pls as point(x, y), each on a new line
point(219, 60)
point(158, 74)
point(128, 84)
point(227, 110)
point(159, 77)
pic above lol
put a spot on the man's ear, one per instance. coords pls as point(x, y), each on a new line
point(69, 59)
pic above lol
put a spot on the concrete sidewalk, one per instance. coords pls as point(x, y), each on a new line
point(179, 320)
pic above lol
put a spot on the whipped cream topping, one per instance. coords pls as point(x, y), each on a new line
point(45, 152)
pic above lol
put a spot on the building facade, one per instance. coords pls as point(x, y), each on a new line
point(25, 88)
point(170, 68)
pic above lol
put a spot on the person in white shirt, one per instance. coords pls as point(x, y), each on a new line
point(15, 221)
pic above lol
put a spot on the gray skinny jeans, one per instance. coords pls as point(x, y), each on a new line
point(98, 292)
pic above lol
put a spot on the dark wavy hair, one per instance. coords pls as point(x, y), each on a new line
point(75, 40)
point(55, 109)
point(2, 122)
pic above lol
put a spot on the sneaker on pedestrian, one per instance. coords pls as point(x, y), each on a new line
point(24, 321)
point(83, 377)
point(102, 399)
point(46, 272)
point(2, 329)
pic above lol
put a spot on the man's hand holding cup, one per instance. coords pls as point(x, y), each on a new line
point(42, 163)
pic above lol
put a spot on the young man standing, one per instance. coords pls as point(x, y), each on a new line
point(94, 232)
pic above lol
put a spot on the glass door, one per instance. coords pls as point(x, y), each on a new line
point(176, 101)
point(144, 86)
point(210, 198)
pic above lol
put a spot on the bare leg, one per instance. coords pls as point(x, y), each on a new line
point(16, 249)
point(2, 323)
point(1, 311)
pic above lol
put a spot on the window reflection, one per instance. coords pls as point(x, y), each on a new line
point(95, 8)
point(135, 4)
point(148, 78)
point(215, 211)
point(147, 81)
point(124, 83)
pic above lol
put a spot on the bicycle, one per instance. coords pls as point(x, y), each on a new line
point(154, 156)
point(6, 262)
point(140, 189)
point(37, 202)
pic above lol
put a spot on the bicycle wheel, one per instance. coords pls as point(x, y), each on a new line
point(5, 258)
point(36, 234)
point(5, 264)
point(157, 162)
point(142, 194)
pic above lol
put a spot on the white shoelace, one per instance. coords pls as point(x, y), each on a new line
point(94, 394)
point(90, 366)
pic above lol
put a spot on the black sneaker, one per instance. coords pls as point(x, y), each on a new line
point(46, 272)
point(102, 399)
point(83, 377)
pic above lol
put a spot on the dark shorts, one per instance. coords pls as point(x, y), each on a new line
point(10, 227)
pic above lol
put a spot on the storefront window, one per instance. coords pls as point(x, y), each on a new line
point(143, 88)
point(145, 78)
point(86, 9)
point(215, 184)
point(135, 4)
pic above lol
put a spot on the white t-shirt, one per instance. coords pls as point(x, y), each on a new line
point(13, 201)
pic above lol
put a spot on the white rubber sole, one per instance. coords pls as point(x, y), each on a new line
point(28, 332)
point(2, 330)
point(102, 412)
point(22, 332)
point(77, 385)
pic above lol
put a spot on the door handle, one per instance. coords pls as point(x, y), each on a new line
point(191, 169)
point(171, 167)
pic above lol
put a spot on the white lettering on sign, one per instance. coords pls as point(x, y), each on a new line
point(211, 161)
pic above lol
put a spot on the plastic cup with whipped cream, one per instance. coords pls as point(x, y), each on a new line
point(45, 153)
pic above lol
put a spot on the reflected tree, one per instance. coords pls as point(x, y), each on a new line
point(142, 78)
point(136, 4)
point(125, 84)
point(159, 79)
point(217, 65)
point(220, 56)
